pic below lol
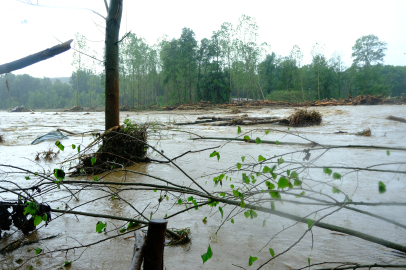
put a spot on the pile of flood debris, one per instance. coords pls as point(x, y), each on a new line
point(120, 146)
point(298, 119)
point(235, 105)
point(20, 109)
point(76, 108)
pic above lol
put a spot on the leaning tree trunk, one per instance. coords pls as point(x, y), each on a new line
point(113, 21)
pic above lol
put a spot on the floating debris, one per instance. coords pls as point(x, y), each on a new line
point(53, 135)
point(304, 118)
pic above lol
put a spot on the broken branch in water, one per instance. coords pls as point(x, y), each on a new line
point(394, 118)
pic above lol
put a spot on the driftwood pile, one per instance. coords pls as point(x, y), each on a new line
point(297, 119)
point(74, 109)
point(235, 105)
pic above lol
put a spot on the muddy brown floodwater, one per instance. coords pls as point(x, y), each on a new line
point(234, 243)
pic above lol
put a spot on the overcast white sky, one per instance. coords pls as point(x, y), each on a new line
point(282, 24)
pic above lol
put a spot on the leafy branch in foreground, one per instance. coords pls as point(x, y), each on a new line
point(254, 186)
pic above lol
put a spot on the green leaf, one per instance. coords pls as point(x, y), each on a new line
point(207, 255)
point(275, 194)
point(213, 154)
point(297, 182)
point(190, 199)
point(59, 174)
point(336, 190)
point(100, 226)
point(327, 171)
point(245, 178)
point(239, 165)
point(280, 161)
point(37, 220)
point(133, 224)
point(27, 178)
point(232, 221)
point(266, 132)
point(261, 158)
point(283, 182)
point(222, 194)
point(79, 149)
point(38, 251)
point(277, 142)
point(60, 146)
point(247, 214)
point(93, 160)
point(205, 220)
point(96, 178)
point(30, 209)
point(272, 252)
point(336, 176)
point(221, 211)
point(266, 169)
point(73, 146)
point(31, 267)
point(288, 172)
point(308, 260)
point(246, 138)
point(387, 152)
point(239, 130)
point(272, 205)
point(231, 186)
point(258, 140)
point(294, 174)
point(123, 230)
point(251, 260)
point(67, 263)
point(382, 187)
point(309, 223)
point(180, 201)
point(301, 194)
point(242, 204)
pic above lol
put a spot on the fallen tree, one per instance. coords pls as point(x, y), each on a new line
point(35, 58)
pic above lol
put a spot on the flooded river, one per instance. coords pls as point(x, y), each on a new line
point(235, 242)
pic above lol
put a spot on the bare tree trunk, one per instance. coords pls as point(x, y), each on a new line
point(77, 88)
point(113, 20)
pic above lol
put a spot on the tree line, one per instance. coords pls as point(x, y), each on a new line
point(231, 64)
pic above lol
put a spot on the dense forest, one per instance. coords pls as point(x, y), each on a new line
point(231, 64)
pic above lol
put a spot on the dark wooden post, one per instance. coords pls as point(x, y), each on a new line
point(154, 245)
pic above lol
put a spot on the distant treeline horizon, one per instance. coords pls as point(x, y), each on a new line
point(229, 65)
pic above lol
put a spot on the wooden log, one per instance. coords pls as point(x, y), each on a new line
point(154, 245)
point(138, 250)
point(394, 118)
point(35, 58)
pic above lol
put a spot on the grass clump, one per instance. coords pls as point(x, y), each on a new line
point(46, 155)
point(365, 132)
point(302, 118)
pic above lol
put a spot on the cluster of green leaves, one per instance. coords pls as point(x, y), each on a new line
point(32, 209)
